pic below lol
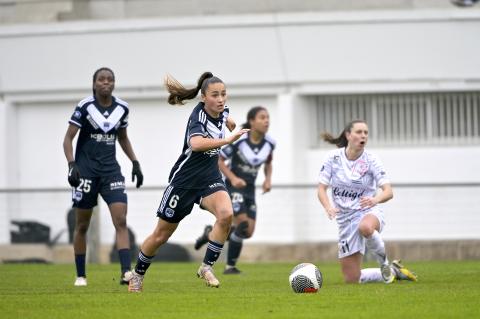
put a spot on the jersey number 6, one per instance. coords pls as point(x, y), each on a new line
point(173, 201)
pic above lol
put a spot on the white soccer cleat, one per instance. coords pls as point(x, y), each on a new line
point(135, 283)
point(80, 281)
point(206, 272)
point(388, 273)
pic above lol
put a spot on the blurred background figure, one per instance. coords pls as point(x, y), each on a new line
point(245, 157)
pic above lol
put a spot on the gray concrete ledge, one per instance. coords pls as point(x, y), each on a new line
point(324, 251)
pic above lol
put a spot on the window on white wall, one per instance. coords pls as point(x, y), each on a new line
point(405, 119)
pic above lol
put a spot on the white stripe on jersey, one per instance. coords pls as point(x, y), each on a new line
point(75, 123)
point(202, 117)
point(214, 131)
point(86, 100)
point(188, 152)
point(253, 158)
point(121, 102)
point(105, 124)
point(165, 197)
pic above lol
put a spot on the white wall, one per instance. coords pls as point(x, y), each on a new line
point(279, 61)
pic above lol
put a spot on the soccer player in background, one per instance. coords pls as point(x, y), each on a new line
point(195, 178)
point(245, 157)
point(354, 175)
point(101, 119)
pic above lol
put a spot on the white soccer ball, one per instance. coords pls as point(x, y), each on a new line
point(305, 277)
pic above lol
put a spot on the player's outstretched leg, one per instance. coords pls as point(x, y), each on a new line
point(402, 273)
point(203, 239)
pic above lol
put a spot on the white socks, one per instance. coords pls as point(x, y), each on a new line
point(376, 246)
point(370, 275)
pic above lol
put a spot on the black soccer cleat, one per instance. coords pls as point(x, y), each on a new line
point(126, 277)
point(232, 271)
point(203, 239)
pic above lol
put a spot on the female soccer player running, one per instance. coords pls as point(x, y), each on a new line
point(101, 119)
point(354, 175)
point(195, 177)
point(245, 157)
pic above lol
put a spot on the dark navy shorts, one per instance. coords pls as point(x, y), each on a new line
point(111, 188)
point(243, 202)
point(178, 202)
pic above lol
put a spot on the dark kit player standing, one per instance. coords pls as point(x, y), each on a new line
point(101, 119)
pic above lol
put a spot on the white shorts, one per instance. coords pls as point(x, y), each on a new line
point(350, 240)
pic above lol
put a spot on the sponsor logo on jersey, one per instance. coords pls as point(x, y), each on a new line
point(169, 212)
point(215, 185)
point(249, 169)
point(77, 114)
point(212, 152)
point(347, 194)
point(103, 138)
point(117, 185)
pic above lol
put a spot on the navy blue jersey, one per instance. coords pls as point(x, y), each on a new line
point(95, 151)
point(246, 158)
point(195, 170)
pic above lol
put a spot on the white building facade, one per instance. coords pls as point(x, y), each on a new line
point(413, 74)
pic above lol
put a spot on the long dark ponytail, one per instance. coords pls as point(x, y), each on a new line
point(178, 93)
point(341, 140)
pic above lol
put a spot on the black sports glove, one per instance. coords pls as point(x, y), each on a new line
point(136, 171)
point(73, 174)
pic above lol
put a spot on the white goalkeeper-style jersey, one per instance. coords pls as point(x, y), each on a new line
point(351, 180)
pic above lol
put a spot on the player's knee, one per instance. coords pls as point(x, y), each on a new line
point(366, 230)
point(81, 228)
point(120, 223)
point(225, 218)
point(242, 230)
point(160, 238)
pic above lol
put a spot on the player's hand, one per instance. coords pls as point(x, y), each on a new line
point(137, 172)
point(332, 212)
point(73, 174)
point(238, 182)
point(235, 136)
point(366, 202)
point(267, 186)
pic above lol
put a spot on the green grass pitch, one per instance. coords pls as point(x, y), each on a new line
point(444, 290)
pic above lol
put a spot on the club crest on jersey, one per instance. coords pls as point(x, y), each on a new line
point(77, 196)
point(169, 212)
point(360, 168)
point(106, 125)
